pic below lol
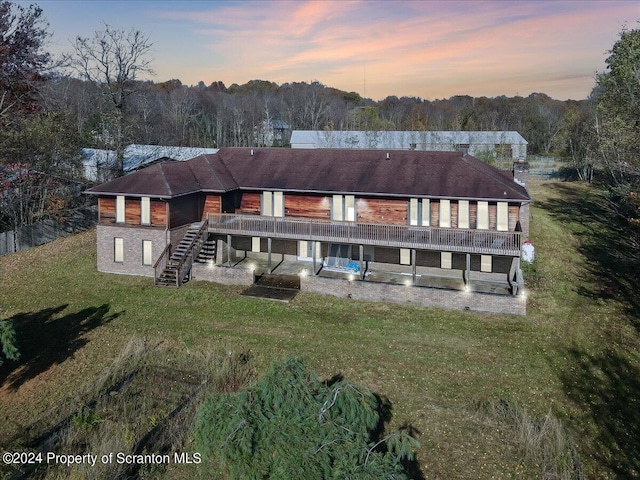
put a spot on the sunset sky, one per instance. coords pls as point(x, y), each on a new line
point(429, 49)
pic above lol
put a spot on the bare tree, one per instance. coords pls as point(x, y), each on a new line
point(23, 60)
point(113, 59)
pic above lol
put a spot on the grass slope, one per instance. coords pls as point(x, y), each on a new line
point(575, 353)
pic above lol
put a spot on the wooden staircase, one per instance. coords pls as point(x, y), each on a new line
point(173, 268)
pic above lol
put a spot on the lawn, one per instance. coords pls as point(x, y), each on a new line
point(575, 355)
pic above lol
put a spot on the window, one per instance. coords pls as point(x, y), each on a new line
point(120, 209)
point(255, 244)
point(145, 211)
point(267, 203)
point(405, 256)
point(419, 211)
point(147, 257)
point(503, 217)
point(445, 213)
point(278, 204)
point(485, 263)
point(483, 216)
point(343, 208)
point(445, 260)
point(463, 214)
point(118, 250)
point(273, 204)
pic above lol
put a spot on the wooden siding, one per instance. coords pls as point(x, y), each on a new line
point(454, 214)
point(493, 216)
point(249, 203)
point(473, 214)
point(307, 206)
point(107, 211)
point(379, 210)
point(435, 213)
point(158, 213)
point(369, 210)
point(132, 211)
point(514, 214)
point(212, 204)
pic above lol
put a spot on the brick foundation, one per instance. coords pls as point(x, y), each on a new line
point(421, 296)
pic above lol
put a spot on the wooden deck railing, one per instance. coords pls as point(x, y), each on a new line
point(486, 242)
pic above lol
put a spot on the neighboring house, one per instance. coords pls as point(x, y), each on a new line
point(350, 212)
point(499, 144)
point(139, 156)
point(98, 164)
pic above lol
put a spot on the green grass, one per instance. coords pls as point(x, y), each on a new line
point(574, 354)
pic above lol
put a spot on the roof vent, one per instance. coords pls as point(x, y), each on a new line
point(252, 152)
point(387, 155)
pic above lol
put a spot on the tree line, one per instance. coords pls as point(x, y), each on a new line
point(94, 97)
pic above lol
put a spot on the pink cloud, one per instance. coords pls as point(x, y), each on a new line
point(411, 45)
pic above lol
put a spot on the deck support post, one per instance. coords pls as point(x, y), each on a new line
point(519, 278)
point(467, 273)
point(413, 265)
point(314, 246)
point(360, 258)
point(269, 254)
point(228, 250)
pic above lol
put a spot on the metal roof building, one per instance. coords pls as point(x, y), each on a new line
point(509, 144)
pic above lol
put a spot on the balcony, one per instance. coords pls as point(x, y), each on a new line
point(486, 242)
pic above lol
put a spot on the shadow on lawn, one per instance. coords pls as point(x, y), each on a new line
point(385, 413)
point(608, 386)
point(44, 340)
point(613, 267)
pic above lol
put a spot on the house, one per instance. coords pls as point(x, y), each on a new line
point(500, 144)
point(333, 215)
point(99, 164)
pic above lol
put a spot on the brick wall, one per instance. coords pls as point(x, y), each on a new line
point(421, 296)
point(132, 241)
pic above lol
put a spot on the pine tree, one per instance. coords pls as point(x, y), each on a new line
point(8, 341)
point(292, 425)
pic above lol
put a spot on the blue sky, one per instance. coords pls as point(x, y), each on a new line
point(429, 49)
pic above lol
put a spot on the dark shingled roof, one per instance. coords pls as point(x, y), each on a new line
point(172, 179)
point(363, 172)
